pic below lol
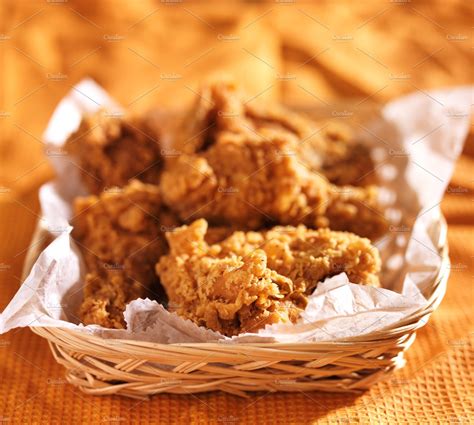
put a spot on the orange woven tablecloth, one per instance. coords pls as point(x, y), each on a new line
point(150, 51)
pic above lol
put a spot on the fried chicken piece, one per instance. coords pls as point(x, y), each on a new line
point(252, 279)
point(249, 173)
point(342, 158)
point(120, 234)
point(308, 256)
point(111, 150)
point(328, 148)
point(106, 294)
point(229, 294)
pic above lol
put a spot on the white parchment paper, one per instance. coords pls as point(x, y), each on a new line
point(415, 142)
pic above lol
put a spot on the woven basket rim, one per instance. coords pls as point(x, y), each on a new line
point(398, 330)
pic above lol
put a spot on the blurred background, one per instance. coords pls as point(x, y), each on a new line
point(156, 53)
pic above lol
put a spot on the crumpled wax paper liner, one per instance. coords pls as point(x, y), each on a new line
point(416, 141)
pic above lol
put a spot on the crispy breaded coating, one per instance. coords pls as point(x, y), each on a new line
point(326, 147)
point(248, 168)
point(106, 294)
point(252, 279)
point(341, 158)
point(111, 150)
point(309, 256)
point(120, 234)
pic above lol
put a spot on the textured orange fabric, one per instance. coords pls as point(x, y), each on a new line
point(152, 52)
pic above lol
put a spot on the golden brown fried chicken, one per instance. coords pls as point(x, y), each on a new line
point(245, 167)
point(120, 234)
point(328, 148)
point(309, 256)
point(252, 279)
point(106, 294)
point(341, 158)
point(111, 150)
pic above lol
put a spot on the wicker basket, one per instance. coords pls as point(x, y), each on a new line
point(140, 369)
